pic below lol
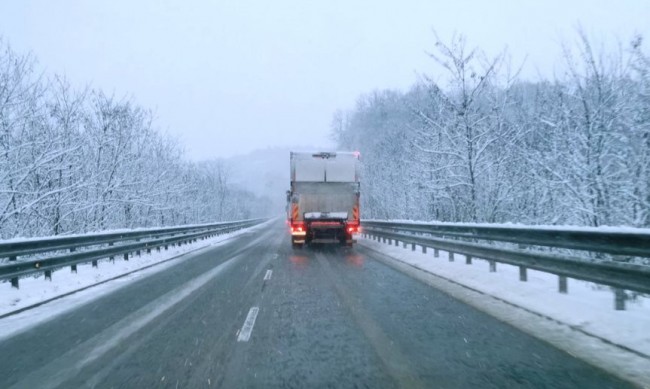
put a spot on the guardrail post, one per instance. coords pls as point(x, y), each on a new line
point(48, 275)
point(126, 256)
point(73, 268)
point(523, 273)
point(396, 243)
point(111, 258)
point(468, 259)
point(436, 253)
point(14, 281)
point(563, 288)
point(412, 246)
point(619, 299)
point(94, 263)
point(405, 244)
point(451, 257)
point(493, 266)
point(424, 249)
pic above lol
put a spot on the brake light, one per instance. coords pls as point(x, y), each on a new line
point(298, 229)
point(353, 229)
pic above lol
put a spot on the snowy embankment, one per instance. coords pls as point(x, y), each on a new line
point(586, 307)
point(87, 284)
point(553, 227)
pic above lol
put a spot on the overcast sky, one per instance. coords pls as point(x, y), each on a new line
point(229, 77)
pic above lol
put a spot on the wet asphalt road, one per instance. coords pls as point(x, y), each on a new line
point(330, 318)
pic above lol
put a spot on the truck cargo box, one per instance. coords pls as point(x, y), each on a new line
point(323, 202)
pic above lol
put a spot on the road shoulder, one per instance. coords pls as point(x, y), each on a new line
point(616, 361)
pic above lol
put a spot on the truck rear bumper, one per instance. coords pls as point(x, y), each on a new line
point(326, 241)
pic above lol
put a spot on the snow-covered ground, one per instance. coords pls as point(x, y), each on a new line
point(102, 232)
point(608, 229)
point(587, 307)
point(35, 290)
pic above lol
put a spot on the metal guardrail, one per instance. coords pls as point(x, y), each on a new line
point(466, 240)
point(92, 247)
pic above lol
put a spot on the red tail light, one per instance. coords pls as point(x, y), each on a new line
point(298, 229)
point(353, 229)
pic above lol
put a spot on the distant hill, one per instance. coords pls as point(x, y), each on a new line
point(265, 173)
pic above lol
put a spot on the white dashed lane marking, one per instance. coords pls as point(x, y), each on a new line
point(249, 323)
point(268, 274)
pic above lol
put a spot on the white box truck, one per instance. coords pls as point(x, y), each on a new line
point(323, 202)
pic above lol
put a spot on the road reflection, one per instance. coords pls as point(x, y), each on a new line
point(299, 260)
point(331, 253)
point(355, 260)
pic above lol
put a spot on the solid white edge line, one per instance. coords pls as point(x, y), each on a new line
point(249, 323)
point(268, 275)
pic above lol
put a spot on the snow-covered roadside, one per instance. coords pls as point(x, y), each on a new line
point(34, 290)
point(585, 307)
point(552, 227)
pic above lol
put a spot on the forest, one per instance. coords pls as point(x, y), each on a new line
point(472, 141)
point(74, 161)
point(478, 143)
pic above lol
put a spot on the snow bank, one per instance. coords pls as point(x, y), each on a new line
point(613, 229)
point(20, 239)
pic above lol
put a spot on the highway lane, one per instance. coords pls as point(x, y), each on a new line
point(326, 317)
